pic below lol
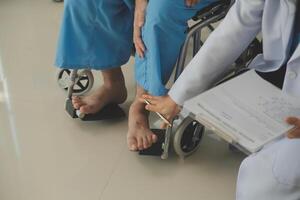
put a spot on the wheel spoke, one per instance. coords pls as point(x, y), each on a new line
point(82, 87)
point(67, 71)
point(84, 78)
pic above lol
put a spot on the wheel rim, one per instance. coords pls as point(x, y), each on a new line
point(191, 136)
point(82, 84)
point(63, 77)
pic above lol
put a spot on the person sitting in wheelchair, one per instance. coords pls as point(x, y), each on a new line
point(98, 35)
point(274, 172)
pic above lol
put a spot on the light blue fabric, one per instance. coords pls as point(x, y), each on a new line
point(163, 35)
point(97, 34)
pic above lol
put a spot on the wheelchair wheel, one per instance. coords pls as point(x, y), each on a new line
point(84, 81)
point(187, 137)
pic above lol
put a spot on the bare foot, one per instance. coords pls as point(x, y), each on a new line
point(113, 90)
point(96, 101)
point(139, 135)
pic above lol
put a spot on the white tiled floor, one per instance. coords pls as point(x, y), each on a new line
point(45, 155)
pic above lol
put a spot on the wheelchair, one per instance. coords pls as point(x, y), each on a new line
point(185, 134)
point(80, 82)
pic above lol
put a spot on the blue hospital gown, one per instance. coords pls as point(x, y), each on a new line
point(97, 34)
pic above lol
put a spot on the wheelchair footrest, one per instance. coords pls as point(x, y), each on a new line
point(156, 148)
point(109, 112)
point(70, 109)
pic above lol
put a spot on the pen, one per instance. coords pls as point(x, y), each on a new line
point(160, 115)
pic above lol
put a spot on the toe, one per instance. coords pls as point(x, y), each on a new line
point(85, 109)
point(140, 143)
point(154, 138)
point(77, 105)
point(75, 98)
point(149, 138)
point(132, 144)
point(145, 142)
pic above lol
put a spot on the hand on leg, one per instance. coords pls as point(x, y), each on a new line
point(139, 20)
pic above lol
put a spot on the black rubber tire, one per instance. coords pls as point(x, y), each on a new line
point(187, 137)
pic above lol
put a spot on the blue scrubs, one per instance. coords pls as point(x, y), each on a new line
point(97, 34)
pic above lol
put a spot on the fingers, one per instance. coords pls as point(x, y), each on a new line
point(188, 3)
point(152, 102)
point(153, 108)
point(191, 3)
point(294, 133)
point(139, 44)
point(137, 36)
point(152, 99)
point(293, 121)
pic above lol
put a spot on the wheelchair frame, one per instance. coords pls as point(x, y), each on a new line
point(204, 18)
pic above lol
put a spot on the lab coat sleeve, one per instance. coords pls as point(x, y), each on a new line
point(221, 49)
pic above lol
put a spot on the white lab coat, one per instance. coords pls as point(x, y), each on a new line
point(274, 172)
point(246, 18)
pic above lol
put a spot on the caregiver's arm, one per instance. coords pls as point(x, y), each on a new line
point(222, 48)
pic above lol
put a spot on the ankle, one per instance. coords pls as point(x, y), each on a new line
point(138, 107)
point(114, 85)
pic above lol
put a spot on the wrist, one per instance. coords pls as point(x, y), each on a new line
point(173, 104)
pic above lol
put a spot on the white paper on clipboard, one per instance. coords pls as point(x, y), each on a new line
point(246, 110)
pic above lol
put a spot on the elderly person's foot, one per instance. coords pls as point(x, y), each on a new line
point(139, 135)
point(113, 90)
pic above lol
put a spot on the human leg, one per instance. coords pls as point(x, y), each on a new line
point(163, 33)
point(97, 35)
point(139, 135)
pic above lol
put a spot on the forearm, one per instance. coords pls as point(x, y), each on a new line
point(221, 49)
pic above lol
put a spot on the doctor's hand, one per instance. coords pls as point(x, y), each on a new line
point(163, 105)
point(139, 20)
point(295, 132)
point(191, 3)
